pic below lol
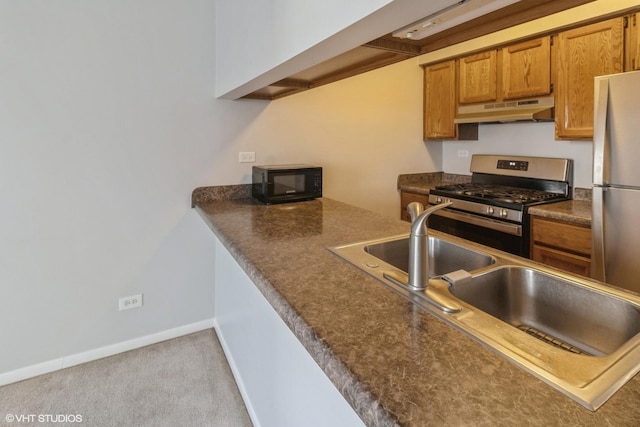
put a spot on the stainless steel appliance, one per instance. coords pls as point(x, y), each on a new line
point(286, 183)
point(616, 180)
point(492, 208)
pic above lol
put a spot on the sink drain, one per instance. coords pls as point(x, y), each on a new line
point(549, 339)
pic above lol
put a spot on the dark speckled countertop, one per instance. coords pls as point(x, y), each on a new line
point(421, 183)
point(575, 211)
point(395, 364)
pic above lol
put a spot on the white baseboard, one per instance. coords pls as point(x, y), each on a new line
point(99, 353)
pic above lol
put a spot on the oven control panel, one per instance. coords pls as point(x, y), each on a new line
point(514, 215)
point(514, 165)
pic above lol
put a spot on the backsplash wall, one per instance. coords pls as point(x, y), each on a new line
point(522, 139)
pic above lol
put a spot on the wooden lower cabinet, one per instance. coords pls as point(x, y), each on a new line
point(562, 245)
point(406, 198)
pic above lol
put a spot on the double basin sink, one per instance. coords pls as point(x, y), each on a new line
point(577, 335)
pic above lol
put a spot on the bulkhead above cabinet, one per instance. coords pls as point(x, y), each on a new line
point(389, 49)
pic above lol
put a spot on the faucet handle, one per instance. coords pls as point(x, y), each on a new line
point(414, 209)
point(418, 228)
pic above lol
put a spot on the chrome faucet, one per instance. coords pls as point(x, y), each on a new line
point(419, 244)
point(414, 209)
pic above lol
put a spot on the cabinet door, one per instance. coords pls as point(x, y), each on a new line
point(440, 101)
point(526, 69)
point(563, 260)
point(562, 245)
point(584, 53)
point(561, 235)
point(478, 78)
point(632, 60)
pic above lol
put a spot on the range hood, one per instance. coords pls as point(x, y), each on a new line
point(533, 109)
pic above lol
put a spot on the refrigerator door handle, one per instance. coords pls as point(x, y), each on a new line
point(600, 143)
point(597, 234)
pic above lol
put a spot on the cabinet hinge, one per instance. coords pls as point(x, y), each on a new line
point(551, 40)
point(626, 22)
point(551, 88)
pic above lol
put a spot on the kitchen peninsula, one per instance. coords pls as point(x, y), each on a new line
point(392, 362)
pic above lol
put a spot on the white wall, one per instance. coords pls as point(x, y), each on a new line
point(105, 127)
point(364, 131)
point(108, 121)
point(523, 139)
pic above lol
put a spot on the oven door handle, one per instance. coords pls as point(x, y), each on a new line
point(505, 227)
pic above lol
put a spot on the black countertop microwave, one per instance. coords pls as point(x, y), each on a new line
point(286, 183)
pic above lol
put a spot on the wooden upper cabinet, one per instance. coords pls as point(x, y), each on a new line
point(520, 70)
point(526, 69)
point(477, 74)
point(632, 60)
point(440, 89)
point(584, 53)
point(440, 100)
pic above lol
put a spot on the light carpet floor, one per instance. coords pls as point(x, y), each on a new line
point(185, 381)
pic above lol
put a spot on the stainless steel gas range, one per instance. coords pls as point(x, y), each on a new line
point(492, 208)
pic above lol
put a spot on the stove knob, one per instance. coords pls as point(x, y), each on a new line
point(503, 213)
point(438, 199)
point(490, 210)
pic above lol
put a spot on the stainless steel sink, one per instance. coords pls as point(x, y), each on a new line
point(376, 256)
point(444, 256)
point(561, 313)
point(580, 336)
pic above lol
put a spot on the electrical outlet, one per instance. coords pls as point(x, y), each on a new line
point(132, 301)
point(247, 157)
point(463, 153)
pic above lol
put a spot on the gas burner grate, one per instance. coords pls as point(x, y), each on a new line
point(500, 193)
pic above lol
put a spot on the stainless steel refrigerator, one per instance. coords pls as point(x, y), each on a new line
point(616, 180)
